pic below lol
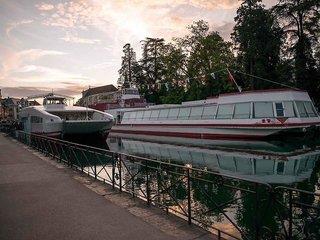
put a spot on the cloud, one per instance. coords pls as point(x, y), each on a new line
point(44, 7)
point(225, 30)
point(14, 25)
point(71, 90)
point(13, 61)
point(74, 39)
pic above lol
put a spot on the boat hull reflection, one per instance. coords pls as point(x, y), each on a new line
point(269, 163)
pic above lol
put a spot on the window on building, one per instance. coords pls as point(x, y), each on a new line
point(225, 111)
point(173, 113)
point(209, 112)
point(301, 109)
point(196, 112)
point(242, 111)
point(163, 113)
point(263, 109)
point(279, 109)
point(289, 109)
point(184, 113)
point(310, 109)
point(154, 114)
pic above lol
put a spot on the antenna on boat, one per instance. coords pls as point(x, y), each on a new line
point(234, 81)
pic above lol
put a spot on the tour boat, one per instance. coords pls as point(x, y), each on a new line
point(56, 118)
point(254, 115)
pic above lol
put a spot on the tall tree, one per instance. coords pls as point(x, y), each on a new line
point(207, 52)
point(300, 22)
point(152, 68)
point(128, 71)
point(257, 37)
point(151, 59)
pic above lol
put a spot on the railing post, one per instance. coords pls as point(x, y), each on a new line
point(113, 168)
point(189, 196)
point(120, 172)
point(68, 155)
point(290, 214)
point(257, 219)
point(147, 184)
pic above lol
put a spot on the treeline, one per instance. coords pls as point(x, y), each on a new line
point(280, 44)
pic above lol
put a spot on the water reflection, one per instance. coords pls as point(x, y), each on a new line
point(229, 204)
point(263, 161)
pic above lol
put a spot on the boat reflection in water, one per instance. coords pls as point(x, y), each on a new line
point(273, 163)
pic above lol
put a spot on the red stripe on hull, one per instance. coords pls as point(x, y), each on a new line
point(191, 135)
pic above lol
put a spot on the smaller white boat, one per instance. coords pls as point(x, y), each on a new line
point(56, 118)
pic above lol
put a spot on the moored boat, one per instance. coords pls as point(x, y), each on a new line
point(56, 118)
point(247, 115)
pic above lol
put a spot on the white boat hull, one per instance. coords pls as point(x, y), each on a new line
point(203, 132)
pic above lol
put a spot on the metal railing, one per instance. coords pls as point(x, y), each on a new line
point(230, 207)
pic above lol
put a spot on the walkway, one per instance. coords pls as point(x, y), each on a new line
point(40, 201)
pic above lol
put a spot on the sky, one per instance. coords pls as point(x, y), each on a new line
point(67, 46)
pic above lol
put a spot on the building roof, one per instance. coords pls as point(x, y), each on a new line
point(101, 89)
point(10, 101)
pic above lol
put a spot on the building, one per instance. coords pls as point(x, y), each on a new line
point(10, 107)
point(109, 97)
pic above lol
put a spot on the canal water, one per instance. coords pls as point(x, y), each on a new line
point(291, 164)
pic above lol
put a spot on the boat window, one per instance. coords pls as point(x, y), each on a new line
point(279, 109)
point(125, 116)
point(289, 109)
point(209, 112)
point(301, 109)
point(242, 110)
point(133, 115)
point(196, 112)
point(163, 113)
point(225, 111)
point(146, 115)
point(310, 110)
point(184, 113)
point(173, 113)
point(263, 109)
point(36, 119)
point(154, 114)
point(139, 115)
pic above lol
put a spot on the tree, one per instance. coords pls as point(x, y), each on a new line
point(152, 68)
point(300, 22)
point(207, 52)
point(151, 59)
point(257, 39)
point(128, 73)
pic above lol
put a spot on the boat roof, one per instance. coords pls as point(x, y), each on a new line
point(63, 108)
point(241, 97)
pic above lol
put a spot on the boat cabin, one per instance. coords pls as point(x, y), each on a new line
point(264, 105)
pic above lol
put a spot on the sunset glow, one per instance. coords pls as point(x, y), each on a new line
point(70, 45)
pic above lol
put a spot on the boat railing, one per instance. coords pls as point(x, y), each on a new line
point(231, 207)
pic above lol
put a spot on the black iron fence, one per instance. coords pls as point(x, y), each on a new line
point(231, 207)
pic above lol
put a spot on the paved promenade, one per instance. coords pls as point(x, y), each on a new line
point(39, 200)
